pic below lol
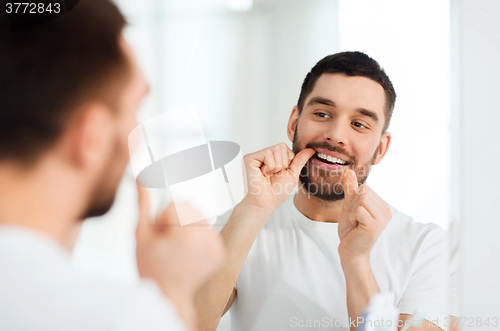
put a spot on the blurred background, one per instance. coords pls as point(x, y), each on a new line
point(242, 62)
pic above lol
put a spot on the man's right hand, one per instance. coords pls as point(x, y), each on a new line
point(179, 258)
point(271, 175)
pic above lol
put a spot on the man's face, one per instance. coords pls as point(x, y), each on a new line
point(342, 120)
point(125, 120)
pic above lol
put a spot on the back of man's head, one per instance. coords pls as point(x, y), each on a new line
point(48, 71)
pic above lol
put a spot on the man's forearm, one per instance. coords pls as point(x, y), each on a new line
point(183, 301)
point(360, 285)
point(186, 311)
point(238, 235)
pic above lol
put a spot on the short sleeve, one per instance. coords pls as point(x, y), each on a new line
point(147, 309)
point(427, 289)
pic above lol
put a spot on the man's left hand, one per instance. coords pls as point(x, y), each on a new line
point(363, 218)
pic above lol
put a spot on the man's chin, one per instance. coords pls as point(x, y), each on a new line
point(329, 191)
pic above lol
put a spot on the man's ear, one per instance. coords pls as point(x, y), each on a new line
point(292, 123)
point(90, 135)
point(385, 142)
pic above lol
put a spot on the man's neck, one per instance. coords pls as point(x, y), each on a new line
point(39, 199)
point(317, 209)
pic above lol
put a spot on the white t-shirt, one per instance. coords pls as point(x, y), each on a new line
point(292, 278)
point(40, 291)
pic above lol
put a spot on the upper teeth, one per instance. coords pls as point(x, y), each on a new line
point(330, 158)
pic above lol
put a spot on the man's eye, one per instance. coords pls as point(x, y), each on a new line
point(322, 115)
point(359, 125)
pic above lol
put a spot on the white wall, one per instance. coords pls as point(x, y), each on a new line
point(410, 40)
point(476, 54)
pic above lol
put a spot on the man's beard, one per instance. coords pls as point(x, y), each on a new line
point(104, 193)
point(325, 184)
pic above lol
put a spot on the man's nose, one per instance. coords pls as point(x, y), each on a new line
point(336, 132)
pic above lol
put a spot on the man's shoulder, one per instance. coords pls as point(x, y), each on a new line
point(37, 270)
point(401, 219)
point(403, 228)
point(86, 302)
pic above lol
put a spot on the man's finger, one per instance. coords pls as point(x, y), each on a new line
point(169, 216)
point(269, 163)
point(291, 155)
point(143, 203)
point(300, 160)
point(278, 160)
point(284, 158)
point(350, 185)
point(362, 216)
point(370, 201)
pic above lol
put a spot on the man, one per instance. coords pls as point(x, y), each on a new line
point(313, 259)
point(70, 92)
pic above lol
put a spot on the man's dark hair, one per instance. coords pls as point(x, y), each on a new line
point(47, 72)
point(350, 64)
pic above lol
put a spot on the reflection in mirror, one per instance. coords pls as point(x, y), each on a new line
point(299, 257)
